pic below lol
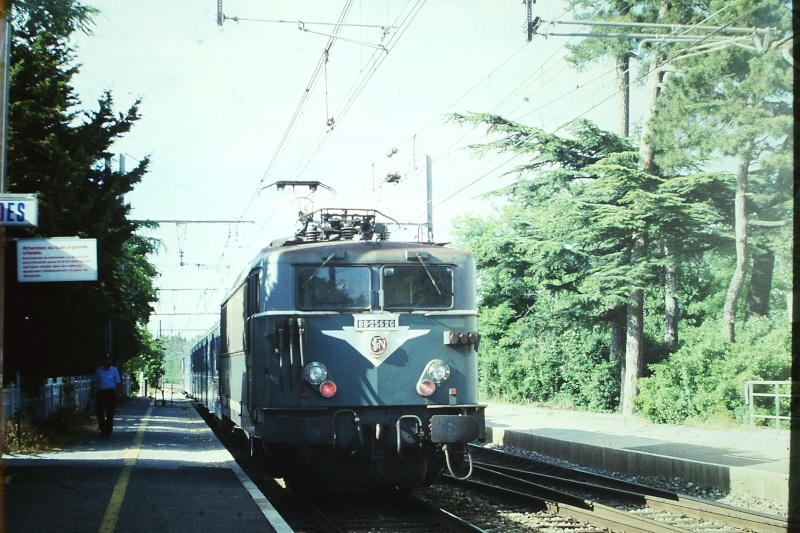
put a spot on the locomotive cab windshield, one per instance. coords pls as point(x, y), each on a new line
point(348, 287)
point(417, 286)
point(344, 287)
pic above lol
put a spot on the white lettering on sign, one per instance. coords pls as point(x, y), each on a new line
point(19, 210)
point(375, 322)
point(41, 260)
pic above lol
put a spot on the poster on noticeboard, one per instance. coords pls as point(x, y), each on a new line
point(56, 259)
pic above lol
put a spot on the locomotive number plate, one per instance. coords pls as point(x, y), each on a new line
point(375, 322)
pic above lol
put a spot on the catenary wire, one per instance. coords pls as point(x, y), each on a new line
point(483, 176)
point(486, 174)
point(301, 105)
point(407, 17)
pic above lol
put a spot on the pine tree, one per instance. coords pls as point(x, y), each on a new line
point(735, 102)
point(60, 153)
point(577, 212)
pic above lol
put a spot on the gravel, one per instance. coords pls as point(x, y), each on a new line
point(502, 519)
point(509, 519)
point(674, 484)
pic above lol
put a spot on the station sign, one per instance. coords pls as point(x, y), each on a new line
point(56, 259)
point(19, 210)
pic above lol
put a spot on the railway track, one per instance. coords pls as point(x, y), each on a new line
point(388, 511)
point(608, 502)
point(539, 495)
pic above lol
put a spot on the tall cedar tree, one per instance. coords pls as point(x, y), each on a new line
point(61, 154)
point(621, 50)
point(736, 102)
point(573, 218)
point(679, 57)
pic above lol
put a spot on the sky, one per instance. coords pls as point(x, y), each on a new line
point(227, 110)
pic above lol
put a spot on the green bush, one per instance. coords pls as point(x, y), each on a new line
point(567, 366)
point(705, 378)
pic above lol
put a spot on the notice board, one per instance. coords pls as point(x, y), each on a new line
point(56, 259)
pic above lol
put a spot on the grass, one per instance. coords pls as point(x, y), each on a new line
point(65, 426)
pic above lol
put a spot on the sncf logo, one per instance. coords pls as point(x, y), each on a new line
point(378, 344)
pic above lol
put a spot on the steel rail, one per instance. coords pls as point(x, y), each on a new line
point(446, 518)
point(405, 514)
point(536, 465)
point(676, 503)
point(325, 522)
point(592, 513)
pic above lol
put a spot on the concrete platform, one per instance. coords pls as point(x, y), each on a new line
point(739, 461)
point(163, 470)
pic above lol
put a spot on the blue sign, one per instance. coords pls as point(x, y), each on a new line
point(19, 210)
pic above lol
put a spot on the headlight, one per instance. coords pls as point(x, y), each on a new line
point(316, 373)
point(435, 373)
point(438, 371)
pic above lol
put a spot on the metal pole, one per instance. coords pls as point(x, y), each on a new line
point(430, 197)
point(5, 43)
point(530, 19)
point(671, 27)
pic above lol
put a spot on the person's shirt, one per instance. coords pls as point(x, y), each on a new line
point(106, 378)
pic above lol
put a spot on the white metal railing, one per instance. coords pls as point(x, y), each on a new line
point(54, 394)
point(776, 390)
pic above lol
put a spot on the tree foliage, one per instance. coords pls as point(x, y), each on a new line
point(149, 362)
point(736, 101)
point(175, 347)
point(704, 379)
point(574, 213)
point(556, 263)
point(61, 153)
point(558, 257)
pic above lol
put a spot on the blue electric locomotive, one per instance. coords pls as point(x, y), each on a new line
point(347, 359)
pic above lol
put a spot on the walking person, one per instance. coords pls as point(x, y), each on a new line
point(106, 385)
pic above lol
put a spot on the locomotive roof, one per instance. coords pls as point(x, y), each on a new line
point(356, 235)
point(361, 251)
point(350, 252)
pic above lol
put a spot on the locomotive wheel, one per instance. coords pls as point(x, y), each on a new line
point(279, 460)
point(258, 455)
point(226, 426)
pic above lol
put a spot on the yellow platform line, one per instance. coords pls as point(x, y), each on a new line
point(109, 523)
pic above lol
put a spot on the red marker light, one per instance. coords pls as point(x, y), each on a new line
point(327, 388)
point(426, 387)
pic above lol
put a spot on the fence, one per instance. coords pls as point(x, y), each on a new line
point(54, 394)
point(777, 390)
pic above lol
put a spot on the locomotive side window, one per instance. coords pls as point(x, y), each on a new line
point(417, 286)
point(252, 293)
point(232, 331)
point(333, 287)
